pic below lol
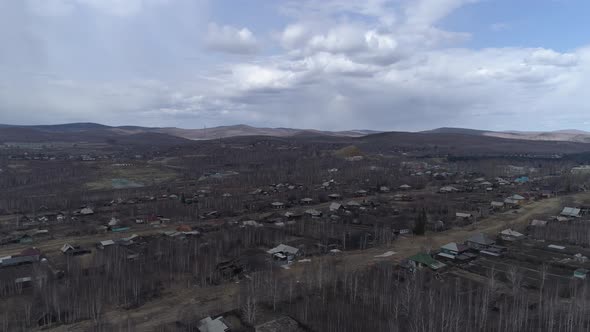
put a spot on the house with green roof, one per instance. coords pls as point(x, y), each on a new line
point(425, 260)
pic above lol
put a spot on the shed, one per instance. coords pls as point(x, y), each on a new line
point(538, 223)
point(461, 215)
point(213, 325)
point(571, 212)
point(511, 235)
point(581, 273)
point(105, 243)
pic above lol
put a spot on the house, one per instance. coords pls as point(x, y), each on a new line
point(118, 229)
point(456, 252)
point(424, 260)
point(581, 273)
point(284, 253)
point(105, 243)
point(405, 187)
point(479, 241)
point(251, 223)
point(306, 200)
point(448, 189)
point(522, 180)
point(86, 211)
point(293, 214)
point(213, 325)
point(571, 212)
point(384, 189)
point(74, 250)
point(67, 248)
point(334, 207)
point(512, 203)
point(25, 238)
point(361, 193)
point(494, 250)
point(334, 196)
point(314, 213)
point(517, 197)
point(27, 256)
point(454, 248)
point(353, 204)
point(511, 235)
point(277, 205)
point(496, 205)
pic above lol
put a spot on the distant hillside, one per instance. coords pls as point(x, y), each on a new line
point(192, 134)
point(91, 133)
point(570, 135)
point(466, 144)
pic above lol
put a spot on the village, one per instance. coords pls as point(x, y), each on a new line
point(521, 227)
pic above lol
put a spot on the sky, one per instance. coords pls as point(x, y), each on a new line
point(332, 64)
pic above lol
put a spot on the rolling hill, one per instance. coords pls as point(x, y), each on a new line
point(570, 135)
point(45, 132)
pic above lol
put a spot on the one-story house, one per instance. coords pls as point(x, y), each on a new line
point(284, 253)
point(496, 205)
point(479, 241)
point(425, 260)
point(334, 207)
point(454, 248)
point(448, 189)
point(277, 205)
point(105, 243)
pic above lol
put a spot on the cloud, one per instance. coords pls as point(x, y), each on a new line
point(231, 40)
point(121, 8)
point(334, 64)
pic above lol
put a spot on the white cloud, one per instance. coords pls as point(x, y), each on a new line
point(232, 40)
point(293, 36)
point(120, 8)
point(337, 64)
point(256, 77)
point(552, 58)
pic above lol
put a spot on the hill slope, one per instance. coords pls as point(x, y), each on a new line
point(570, 135)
